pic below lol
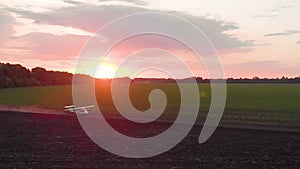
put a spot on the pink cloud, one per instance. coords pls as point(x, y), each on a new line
point(50, 47)
point(269, 69)
point(59, 52)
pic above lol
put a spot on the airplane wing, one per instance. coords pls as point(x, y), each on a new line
point(78, 110)
point(74, 107)
point(83, 107)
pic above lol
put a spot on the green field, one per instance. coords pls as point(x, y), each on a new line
point(257, 103)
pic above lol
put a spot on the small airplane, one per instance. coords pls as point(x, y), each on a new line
point(78, 110)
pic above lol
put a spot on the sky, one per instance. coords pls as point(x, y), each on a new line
point(252, 38)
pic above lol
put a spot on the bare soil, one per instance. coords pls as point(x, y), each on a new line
point(30, 140)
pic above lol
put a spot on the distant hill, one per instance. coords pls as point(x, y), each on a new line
point(15, 75)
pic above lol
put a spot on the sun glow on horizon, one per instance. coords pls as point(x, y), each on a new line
point(105, 71)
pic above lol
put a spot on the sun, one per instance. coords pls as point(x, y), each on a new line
point(105, 71)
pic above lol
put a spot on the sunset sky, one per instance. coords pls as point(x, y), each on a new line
point(252, 38)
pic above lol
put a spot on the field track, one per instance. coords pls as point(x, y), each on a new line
point(31, 140)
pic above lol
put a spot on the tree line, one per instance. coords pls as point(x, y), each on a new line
point(15, 75)
point(228, 80)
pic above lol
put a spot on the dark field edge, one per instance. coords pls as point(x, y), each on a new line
point(222, 124)
point(37, 140)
